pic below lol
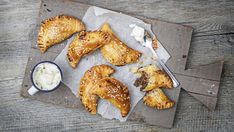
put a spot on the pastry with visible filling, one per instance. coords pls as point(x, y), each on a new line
point(157, 99)
point(56, 29)
point(85, 43)
point(116, 52)
point(97, 83)
point(151, 80)
point(152, 77)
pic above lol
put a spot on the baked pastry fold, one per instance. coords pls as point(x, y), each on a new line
point(151, 81)
point(157, 99)
point(88, 81)
point(115, 92)
point(85, 43)
point(154, 78)
point(97, 83)
point(116, 52)
point(57, 29)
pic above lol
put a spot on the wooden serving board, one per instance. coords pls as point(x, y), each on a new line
point(175, 38)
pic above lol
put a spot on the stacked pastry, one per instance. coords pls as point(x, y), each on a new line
point(97, 83)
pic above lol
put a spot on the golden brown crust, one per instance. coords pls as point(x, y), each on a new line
point(154, 43)
point(155, 78)
point(85, 43)
point(57, 29)
point(157, 99)
point(116, 52)
point(115, 92)
point(88, 81)
point(96, 83)
point(151, 80)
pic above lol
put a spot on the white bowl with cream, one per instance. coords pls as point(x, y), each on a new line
point(46, 76)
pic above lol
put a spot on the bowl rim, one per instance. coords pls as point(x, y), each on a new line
point(31, 76)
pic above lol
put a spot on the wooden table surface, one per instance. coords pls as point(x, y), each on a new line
point(213, 40)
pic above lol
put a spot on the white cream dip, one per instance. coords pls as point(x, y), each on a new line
point(139, 33)
point(46, 76)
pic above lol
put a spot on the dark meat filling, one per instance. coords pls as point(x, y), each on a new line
point(142, 81)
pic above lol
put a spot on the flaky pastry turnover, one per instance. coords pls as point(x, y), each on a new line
point(85, 43)
point(115, 92)
point(151, 80)
point(96, 83)
point(157, 99)
point(57, 29)
point(88, 81)
point(116, 52)
point(152, 77)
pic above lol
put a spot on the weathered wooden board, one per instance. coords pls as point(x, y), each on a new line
point(175, 38)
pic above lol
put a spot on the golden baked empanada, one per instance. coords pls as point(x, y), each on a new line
point(152, 77)
point(84, 43)
point(96, 83)
point(88, 81)
point(57, 29)
point(116, 52)
point(157, 99)
point(115, 92)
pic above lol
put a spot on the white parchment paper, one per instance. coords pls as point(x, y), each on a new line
point(93, 19)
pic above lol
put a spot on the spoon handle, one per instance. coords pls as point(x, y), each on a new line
point(166, 69)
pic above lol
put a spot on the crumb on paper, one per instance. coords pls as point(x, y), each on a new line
point(155, 43)
point(140, 62)
point(133, 69)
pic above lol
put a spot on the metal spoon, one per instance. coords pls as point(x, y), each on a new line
point(148, 43)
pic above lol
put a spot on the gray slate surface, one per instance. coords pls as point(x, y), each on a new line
point(213, 40)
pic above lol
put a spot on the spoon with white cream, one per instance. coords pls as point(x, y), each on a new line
point(139, 34)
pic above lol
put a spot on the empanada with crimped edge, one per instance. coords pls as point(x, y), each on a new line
point(88, 81)
point(85, 43)
point(154, 78)
point(96, 83)
point(157, 99)
point(115, 92)
point(57, 29)
point(116, 52)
